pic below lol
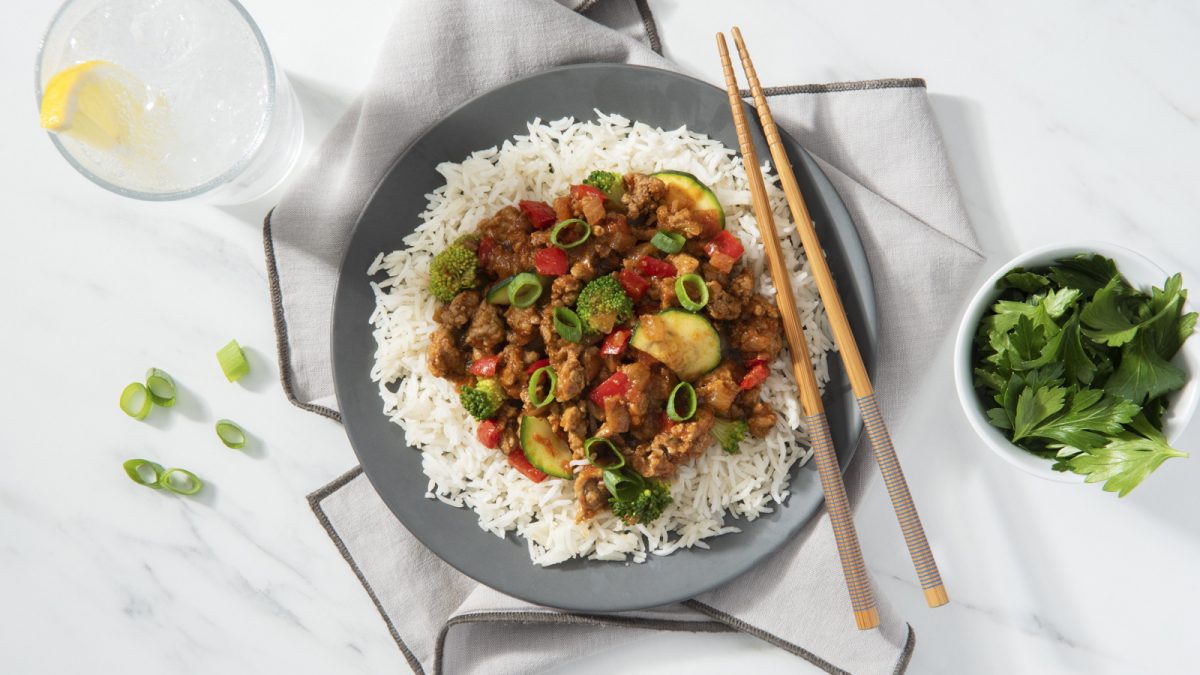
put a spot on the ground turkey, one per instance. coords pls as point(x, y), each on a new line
point(514, 361)
point(718, 389)
point(445, 358)
point(722, 305)
point(511, 249)
point(672, 446)
point(642, 194)
point(486, 329)
point(522, 324)
point(759, 334)
point(459, 311)
point(761, 419)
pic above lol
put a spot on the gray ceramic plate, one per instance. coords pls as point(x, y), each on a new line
point(658, 98)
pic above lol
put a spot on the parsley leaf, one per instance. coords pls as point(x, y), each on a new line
point(1090, 420)
point(1042, 310)
point(1086, 273)
point(1045, 377)
point(1047, 351)
point(1168, 327)
point(1034, 406)
point(1058, 302)
point(1030, 282)
point(1010, 391)
point(1144, 374)
point(1028, 340)
point(1126, 460)
point(999, 418)
point(1144, 371)
point(1108, 314)
point(1078, 364)
point(985, 378)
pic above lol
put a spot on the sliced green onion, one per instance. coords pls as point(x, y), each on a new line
point(144, 472)
point(568, 325)
point(231, 434)
point(685, 294)
point(535, 384)
point(668, 242)
point(524, 289)
point(135, 401)
point(233, 361)
point(576, 223)
point(683, 395)
point(161, 387)
point(181, 482)
point(619, 460)
point(624, 485)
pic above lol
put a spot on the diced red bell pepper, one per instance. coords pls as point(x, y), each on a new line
point(540, 214)
point(755, 376)
point(581, 191)
point(488, 433)
point(617, 384)
point(520, 463)
point(486, 246)
point(727, 244)
point(615, 342)
point(653, 267)
point(484, 366)
point(551, 261)
point(540, 363)
point(635, 285)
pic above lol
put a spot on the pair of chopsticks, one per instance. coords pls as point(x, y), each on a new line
point(861, 599)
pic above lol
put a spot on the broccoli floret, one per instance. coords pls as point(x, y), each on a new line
point(603, 304)
point(647, 506)
point(451, 271)
point(607, 182)
point(483, 400)
point(730, 434)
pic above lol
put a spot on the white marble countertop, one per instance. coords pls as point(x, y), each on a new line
point(1064, 122)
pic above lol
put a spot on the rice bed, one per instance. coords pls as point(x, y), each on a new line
point(462, 472)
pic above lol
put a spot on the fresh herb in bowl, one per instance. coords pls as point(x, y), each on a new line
point(1077, 364)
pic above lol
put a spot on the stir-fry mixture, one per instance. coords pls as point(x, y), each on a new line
point(615, 325)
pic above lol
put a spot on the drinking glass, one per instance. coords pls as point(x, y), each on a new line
point(216, 118)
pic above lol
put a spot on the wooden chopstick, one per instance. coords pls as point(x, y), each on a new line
point(860, 382)
point(862, 601)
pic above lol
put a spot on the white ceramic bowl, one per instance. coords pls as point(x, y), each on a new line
point(1138, 271)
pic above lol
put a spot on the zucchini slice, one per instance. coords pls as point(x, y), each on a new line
point(498, 293)
point(686, 188)
point(684, 342)
point(543, 448)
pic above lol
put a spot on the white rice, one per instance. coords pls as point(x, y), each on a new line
point(461, 471)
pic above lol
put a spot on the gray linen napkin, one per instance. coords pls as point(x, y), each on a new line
point(877, 141)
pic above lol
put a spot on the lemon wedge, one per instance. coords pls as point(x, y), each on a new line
point(95, 102)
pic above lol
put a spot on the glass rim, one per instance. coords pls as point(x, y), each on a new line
point(227, 176)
